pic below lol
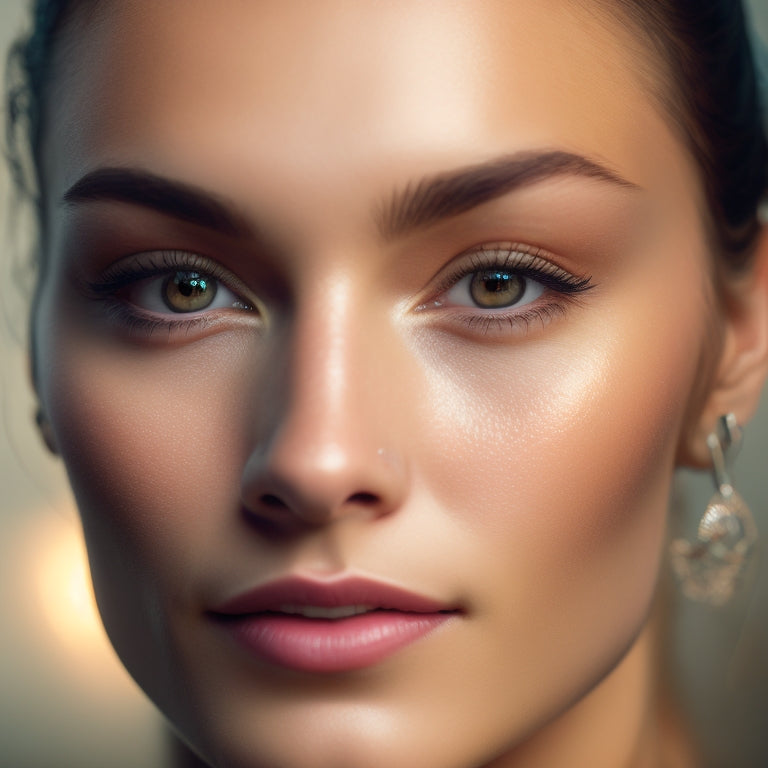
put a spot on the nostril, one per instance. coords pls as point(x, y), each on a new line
point(363, 498)
point(270, 500)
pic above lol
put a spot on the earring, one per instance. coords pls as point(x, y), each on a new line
point(46, 431)
point(710, 568)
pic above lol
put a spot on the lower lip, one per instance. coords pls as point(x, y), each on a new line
point(332, 645)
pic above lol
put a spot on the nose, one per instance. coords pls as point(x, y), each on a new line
point(330, 448)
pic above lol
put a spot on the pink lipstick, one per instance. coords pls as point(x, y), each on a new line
point(329, 626)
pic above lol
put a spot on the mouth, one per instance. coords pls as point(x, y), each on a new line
point(320, 612)
point(329, 626)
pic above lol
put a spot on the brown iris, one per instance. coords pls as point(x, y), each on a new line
point(495, 288)
point(188, 291)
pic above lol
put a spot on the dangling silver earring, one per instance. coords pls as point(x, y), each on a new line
point(710, 568)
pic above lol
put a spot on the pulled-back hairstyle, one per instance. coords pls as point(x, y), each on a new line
point(711, 96)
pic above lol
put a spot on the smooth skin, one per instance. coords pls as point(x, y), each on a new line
point(346, 406)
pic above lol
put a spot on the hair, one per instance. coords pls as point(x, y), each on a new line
point(712, 98)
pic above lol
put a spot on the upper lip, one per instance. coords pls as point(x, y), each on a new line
point(335, 593)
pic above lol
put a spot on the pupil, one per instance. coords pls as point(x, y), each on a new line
point(189, 284)
point(497, 282)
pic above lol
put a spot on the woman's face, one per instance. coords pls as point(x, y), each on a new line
point(375, 295)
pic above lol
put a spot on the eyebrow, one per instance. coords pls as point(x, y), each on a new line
point(173, 198)
point(455, 192)
point(416, 206)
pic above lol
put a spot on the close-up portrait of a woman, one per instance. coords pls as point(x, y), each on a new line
point(372, 338)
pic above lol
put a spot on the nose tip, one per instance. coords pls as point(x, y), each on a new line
point(290, 485)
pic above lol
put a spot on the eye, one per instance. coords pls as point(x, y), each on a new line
point(176, 291)
point(494, 288)
point(502, 289)
point(183, 292)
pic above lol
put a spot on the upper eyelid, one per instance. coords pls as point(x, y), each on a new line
point(170, 259)
point(141, 266)
point(511, 255)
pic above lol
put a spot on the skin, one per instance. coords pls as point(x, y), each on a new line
point(518, 469)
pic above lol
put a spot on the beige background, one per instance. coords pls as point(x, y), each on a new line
point(66, 702)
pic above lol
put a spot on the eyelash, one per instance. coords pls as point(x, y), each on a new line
point(530, 263)
point(156, 264)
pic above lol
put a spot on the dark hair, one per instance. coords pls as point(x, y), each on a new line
point(712, 98)
point(27, 75)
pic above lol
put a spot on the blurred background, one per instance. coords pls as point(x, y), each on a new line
point(65, 701)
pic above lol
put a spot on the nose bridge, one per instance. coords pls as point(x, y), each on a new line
point(329, 448)
point(326, 369)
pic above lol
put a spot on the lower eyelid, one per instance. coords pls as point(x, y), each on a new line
point(135, 322)
point(505, 324)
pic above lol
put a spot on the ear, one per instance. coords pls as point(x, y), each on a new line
point(44, 427)
point(46, 432)
point(742, 366)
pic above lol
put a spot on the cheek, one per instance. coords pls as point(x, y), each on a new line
point(154, 460)
point(138, 428)
point(150, 441)
point(557, 467)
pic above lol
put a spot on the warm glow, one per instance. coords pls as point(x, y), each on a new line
point(64, 588)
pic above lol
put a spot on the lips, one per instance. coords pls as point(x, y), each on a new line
point(329, 626)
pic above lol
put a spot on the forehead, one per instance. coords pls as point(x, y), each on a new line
point(317, 89)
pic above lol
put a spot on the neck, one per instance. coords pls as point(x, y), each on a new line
point(625, 722)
